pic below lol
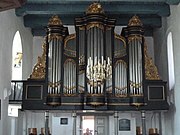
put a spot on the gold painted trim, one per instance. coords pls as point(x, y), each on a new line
point(121, 61)
point(94, 84)
point(69, 89)
point(72, 103)
point(135, 85)
point(121, 52)
point(54, 95)
point(96, 103)
point(114, 104)
point(95, 24)
point(135, 37)
point(120, 89)
point(66, 40)
point(55, 36)
point(69, 37)
point(69, 95)
point(54, 85)
point(120, 95)
point(119, 37)
point(82, 27)
point(95, 95)
point(137, 104)
point(136, 95)
point(70, 60)
point(39, 70)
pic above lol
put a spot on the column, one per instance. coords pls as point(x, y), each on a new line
point(74, 123)
point(116, 123)
point(143, 119)
point(47, 123)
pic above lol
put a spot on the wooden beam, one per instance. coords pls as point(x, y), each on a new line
point(36, 21)
point(66, 1)
point(41, 31)
point(161, 9)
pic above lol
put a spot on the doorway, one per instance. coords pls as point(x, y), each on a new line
point(94, 125)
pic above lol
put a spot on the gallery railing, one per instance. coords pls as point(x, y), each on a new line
point(15, 95)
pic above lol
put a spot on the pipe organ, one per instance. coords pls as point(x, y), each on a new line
point(95, 68)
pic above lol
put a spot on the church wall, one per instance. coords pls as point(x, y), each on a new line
point(9, 25)
point(35, 119)
point(171, 118)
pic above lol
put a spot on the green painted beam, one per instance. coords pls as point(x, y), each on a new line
point(38, 23)
point(65, 1)
point(161, 9)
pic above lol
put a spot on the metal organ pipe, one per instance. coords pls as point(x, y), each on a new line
point(56, 33)
point(55, 59)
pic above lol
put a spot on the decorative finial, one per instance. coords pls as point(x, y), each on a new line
point(135, 21)
point(55, 20)
point(95, 8)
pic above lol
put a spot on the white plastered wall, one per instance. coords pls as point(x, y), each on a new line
point(9, 25)
point(171, 118)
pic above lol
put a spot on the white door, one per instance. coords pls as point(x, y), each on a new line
point(101, 125)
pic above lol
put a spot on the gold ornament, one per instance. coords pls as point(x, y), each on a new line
point(135, 21)
point(55, 20)
point(95, 8)
point(39, 69)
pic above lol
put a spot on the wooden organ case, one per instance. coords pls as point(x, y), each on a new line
point(94, 68)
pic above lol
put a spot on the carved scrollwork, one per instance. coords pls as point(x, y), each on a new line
point(135, 21)
point(39, 69)
point(95, 8)
point(151, 72)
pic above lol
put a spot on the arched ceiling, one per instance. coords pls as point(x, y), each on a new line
point(9, 4)
point(36, 13)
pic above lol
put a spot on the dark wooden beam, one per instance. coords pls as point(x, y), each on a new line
point(148, 31)
point(40, 21)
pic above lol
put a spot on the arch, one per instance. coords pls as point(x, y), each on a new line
point(171, 78)
point(17, 57)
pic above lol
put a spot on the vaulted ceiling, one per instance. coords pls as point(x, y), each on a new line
point(36, 13)
point(9, 4)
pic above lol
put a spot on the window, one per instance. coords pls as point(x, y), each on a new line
point(17, 57)
point(170, 53)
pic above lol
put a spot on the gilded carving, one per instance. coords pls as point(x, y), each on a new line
point(121, 52)
point(69, 95)
point(95, 95)
point(120, 95)
point(55, 20)
point(54, 85)
point(119, 37)
point(55, 36)
point(135, 21)
point(95, 8)
point(151, 72)
point(95, 24)
point(68, 51)
point(135, 37)
point(39, 69)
